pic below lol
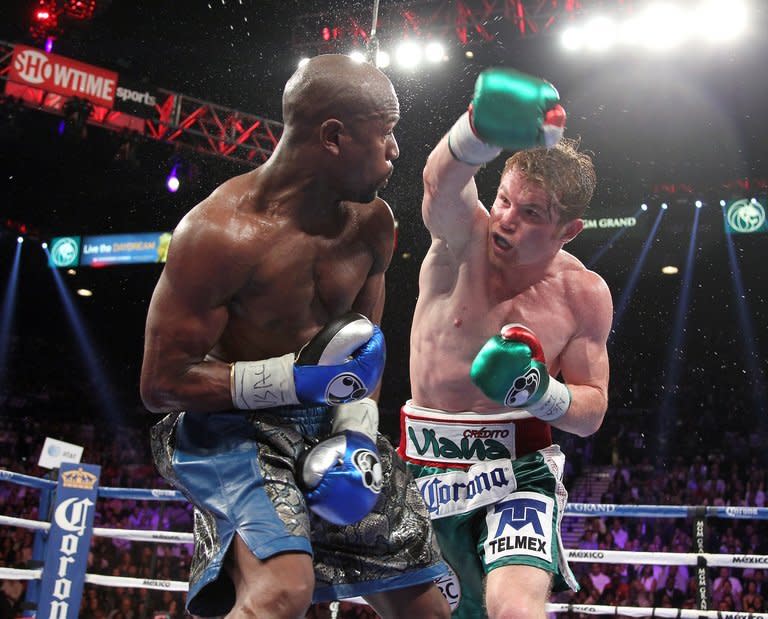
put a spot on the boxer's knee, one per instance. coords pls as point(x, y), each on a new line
point(279, 587)
point(517, 592)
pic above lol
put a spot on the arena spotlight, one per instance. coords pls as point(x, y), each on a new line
point(722, 203)
point(670, 270)
point(382, 59)
point(44, 245)
point(664, 206)
point(643, 207)
point(172, 183)
point(699, 203)
point(19, 239)
point(84, 292)
point(408, 55)
point(434, 52)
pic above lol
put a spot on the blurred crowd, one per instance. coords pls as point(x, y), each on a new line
point(713, 455)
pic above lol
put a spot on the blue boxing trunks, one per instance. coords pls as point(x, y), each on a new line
point(237, 469)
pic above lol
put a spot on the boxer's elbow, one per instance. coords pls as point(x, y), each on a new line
point(156, 397)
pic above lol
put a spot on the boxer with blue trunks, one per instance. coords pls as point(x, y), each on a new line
point(263, 330)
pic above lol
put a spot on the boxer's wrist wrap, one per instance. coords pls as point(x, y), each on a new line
point(361, 416)
point(263, 384)
point(466, 147)
point(553, 404)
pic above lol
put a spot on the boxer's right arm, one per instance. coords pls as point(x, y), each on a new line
point(187, 316)
point(509, 110)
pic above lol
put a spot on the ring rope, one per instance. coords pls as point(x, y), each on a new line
point(587, 609)
point(572, 509)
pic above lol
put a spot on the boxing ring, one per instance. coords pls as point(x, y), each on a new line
point(701, 560)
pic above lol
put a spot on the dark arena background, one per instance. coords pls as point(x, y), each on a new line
point(676, 119)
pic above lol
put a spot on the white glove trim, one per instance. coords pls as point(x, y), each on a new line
point(360, 416)
point(466, 146)
point(553, 404)
point(263, 384)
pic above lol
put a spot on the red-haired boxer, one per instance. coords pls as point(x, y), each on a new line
point(279, 451)
point(502, 310)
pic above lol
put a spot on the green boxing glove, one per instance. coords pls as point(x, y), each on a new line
point(510, 369)
point(510, 110)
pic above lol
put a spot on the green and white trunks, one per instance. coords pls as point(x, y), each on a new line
point(489, 506)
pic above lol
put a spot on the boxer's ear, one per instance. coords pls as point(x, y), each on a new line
point(330, 133)
point(571, 230)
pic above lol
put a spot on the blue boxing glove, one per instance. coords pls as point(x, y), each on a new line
point(342, 363)
point(342, 475)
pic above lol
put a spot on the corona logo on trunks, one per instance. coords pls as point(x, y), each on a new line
point(369, 465)
point(346, 387)
point(523, 388)
point(458, 492)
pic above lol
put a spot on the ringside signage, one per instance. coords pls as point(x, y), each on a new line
point(69, 540)
point(50, 72)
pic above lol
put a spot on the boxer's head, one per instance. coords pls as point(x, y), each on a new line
point(564, 172)
point(347, 111)
point(541, 197)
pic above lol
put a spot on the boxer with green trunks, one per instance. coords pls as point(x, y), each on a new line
point(502, 311)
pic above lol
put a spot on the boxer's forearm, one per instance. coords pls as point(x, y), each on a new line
point(203, 386)
point(586, 411)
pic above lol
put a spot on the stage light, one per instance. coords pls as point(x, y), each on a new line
point(382, 59)
point(643, 207)
point(48, 45)
point(408, 55)
point(670, 270)
point(600, 34)
point(720, 21)
point(19, 239)
point(722, 202)
point(664, 206)
point(699, 203)
point(469, 54)
point(434, 52)
point(71, 272)
point(172, 182)
point(358, 57)
point(84, 292)
point(44, 245)
point(572, 39)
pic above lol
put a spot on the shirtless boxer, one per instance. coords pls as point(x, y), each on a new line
point(268, 446)
point(502, 311)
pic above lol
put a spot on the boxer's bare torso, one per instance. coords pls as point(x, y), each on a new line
point(264, 274)
point(461, 304)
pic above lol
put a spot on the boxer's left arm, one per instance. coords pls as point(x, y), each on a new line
point(584, 360)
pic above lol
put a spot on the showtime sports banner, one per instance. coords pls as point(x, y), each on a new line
point(64, 76)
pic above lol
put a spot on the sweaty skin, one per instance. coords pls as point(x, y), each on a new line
point(260, 266)
point(257, 268)
point(484, 270)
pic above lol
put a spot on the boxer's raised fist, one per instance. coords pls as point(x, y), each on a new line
point(510, 110)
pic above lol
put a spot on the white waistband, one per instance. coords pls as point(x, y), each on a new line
point(421, 412)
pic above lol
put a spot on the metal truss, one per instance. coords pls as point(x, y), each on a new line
point(177, 119)
point(466, 20)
